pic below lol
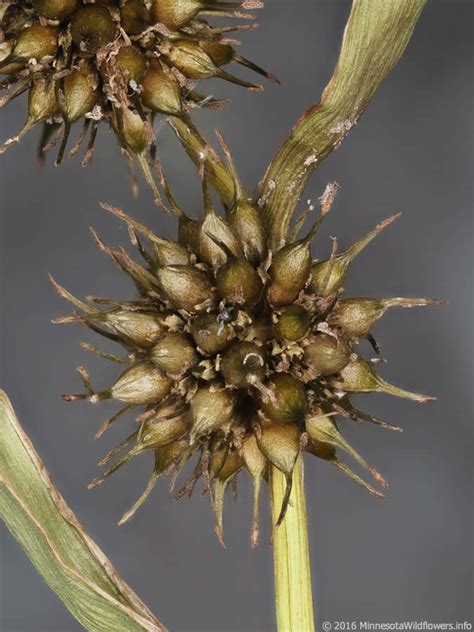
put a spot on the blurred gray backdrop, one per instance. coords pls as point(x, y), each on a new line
point(408, 557)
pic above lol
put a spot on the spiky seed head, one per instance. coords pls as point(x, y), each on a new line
point(128, 47)
point(233, 356)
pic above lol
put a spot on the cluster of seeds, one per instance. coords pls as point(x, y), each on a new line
point(122, 61)
point(240, 355)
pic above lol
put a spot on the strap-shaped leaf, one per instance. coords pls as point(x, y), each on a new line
point(54, 540)
point(375, 37)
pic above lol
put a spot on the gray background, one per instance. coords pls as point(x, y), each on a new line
point(408, 557)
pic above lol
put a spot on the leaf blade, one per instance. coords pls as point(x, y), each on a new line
point(374, 39)
point(56, 543)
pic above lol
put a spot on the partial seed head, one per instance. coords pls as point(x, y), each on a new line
point(120, 41)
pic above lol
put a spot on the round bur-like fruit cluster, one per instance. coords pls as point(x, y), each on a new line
point(241, 356)
point(123, 62)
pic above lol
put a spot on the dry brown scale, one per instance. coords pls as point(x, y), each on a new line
point(123, 62)
point(239, 355)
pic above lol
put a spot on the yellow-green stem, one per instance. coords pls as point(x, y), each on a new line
point(293, 591)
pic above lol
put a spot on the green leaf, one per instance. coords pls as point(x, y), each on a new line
point(375, 37)
point(54, 540)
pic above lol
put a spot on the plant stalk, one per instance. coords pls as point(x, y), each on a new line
point(293, 590)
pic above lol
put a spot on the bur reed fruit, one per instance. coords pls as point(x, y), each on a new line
point(55, 9)
point(240, 355)
point(125, 63)
point(292, 323)
point(326, 355)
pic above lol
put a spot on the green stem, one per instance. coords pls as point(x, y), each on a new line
point(293, 592)
point(201, 153)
